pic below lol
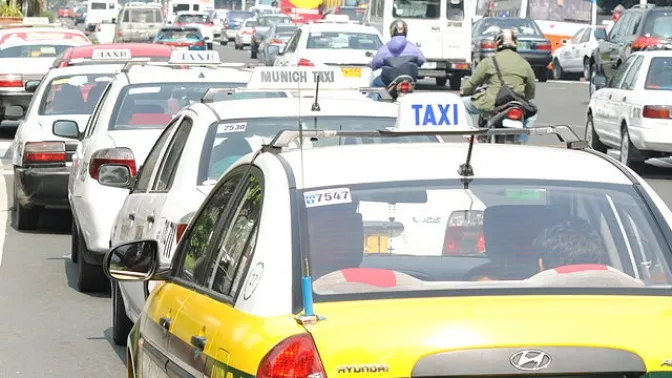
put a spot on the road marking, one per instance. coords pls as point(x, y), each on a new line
point(4, 211)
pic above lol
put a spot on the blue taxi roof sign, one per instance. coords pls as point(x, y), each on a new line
point(194, 57)
point(431, 112)
point(306, 78)
point(111, 54)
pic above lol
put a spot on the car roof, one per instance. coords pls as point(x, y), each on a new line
point(137, 50)
point(342, 27)
point(88, 69)
point(654, 53)
point(156, 74)
point(430, 161)
point(292, 107)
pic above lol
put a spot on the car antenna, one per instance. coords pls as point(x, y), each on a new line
point(316, 105)
point(466, 171)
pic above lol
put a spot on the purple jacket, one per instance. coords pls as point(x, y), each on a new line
point(398, 46)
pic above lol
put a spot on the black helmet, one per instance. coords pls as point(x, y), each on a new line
point(398, 27)
point(507, 39)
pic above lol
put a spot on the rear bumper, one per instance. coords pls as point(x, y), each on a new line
point(442, 68)
point(654, 137)
point(45, 187)
point(536, 60)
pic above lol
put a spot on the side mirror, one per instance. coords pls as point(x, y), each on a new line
point(600, 34)
point(115, 176)
point(599, 81)
point(13, 113)
point(31, 86)
point(66, 129)
point(134, 261)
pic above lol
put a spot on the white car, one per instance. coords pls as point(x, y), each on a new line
point(244, 34)
point(574, 56)
point(42, 160)
point(100, 11)
point(202, 20)
point(343, 44)
point(26, 54)
point(126, 123)
point(633, 111)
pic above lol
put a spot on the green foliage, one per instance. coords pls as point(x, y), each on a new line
point(50, 15)
point(8, 10)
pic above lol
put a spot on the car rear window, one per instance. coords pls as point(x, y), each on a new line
point(659, 25)
point(191, 34)
point(659, 76)
point(239, 15)
point(435, 238)
point(181, 7)
point(278, 20)
point(142, 15)
point(343, 40)
point(231, 139)
point(98, 6)
point(76, 94)
point(355, 14)
point(154, 105)
point(525, 27)
point(33, 51)
point(193, 18)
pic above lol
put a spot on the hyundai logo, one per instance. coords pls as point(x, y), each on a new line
point(530, 360)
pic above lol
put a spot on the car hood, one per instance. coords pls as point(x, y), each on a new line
point(140, 141)
point(393, 335)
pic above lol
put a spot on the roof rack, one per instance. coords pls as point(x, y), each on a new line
point(212, 93)
point(565, 134)
point(129, 65)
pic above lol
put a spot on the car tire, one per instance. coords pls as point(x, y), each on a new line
point(628, 152)
point(455, 82)
point(121, 324)
point(542, 74)
point(74, 242)
point(90, 277)
point(587, 69)
point(557, 70)
point(441, 81)
point(26, 217)
point(591, 136)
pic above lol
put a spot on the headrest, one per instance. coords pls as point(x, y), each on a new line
point(149, 119)
point(336, 238)
point(148, 108)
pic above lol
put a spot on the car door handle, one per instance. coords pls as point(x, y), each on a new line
point(131, 216)
point(624, 98)
point(199, 342)
point(165, 322)
point(610, 97)
point(150, 219)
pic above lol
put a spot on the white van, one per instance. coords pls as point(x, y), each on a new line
point(176, 6)
point(440, 28)
point(99, 11)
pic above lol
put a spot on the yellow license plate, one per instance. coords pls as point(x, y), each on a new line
point(352, 72)
point(377, 243)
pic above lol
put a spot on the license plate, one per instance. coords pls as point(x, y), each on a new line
point(523, 45)
point(352, 72)
point(509, 123)
point(377, 243)
point(429, 65)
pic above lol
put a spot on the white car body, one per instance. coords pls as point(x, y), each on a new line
point(244, 33)
point(95, 206)
point(176, 6)
point(99, 11)
point(353, 62)
point(618, 111)
point(574, 55)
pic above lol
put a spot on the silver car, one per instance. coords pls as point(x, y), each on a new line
point(138, 23)
point(274, 42)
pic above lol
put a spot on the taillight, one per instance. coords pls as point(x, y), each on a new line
point(514, 114)
point(199, 43)
point(616, 16)
point(305, 63)
point(293, 357)
point(643, 42)
point(277, 41)
point(544, 46)
point(404, 87)
point(488, 45)
point(11, 80)
point(44, 152)
point(464, 233)
point(660, 112)
point(112, 156)
point(179, 231)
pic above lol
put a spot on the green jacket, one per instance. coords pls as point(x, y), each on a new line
point(516, 72)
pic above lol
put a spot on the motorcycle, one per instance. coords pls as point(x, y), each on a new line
point(399, 75)
point(507, 116)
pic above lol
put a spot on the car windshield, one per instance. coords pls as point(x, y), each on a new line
point(140, 15)
point(660, 74)
point(355, 14)
point(343, 40)
point(77, 94)
point(269, 20)
point(659, 25)
point(284, 35)
point(33, 51)
point(239, 16)
point(154, 105)
point(525, 27)
point(180, 7)
point(190, 34)
point(193, 18)
point(250, 24)
point(98, 6)
point(388, 239)
point(231, 139)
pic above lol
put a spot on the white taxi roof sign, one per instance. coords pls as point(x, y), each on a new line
point(111, 54)
point(35, 21)
point(336, 18)
point(194, 57)
point(293, 78)
point(431, 111)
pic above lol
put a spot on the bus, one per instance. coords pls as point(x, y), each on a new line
point(558, 19)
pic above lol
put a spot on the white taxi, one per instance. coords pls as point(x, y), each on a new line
point(26, 54)
point(202, 144)
point(42, 160)
point(202, 20)
point(123, 127)
point(342, 44)
point(633, 111)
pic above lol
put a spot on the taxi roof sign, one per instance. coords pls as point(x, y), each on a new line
point(293, 78)
point(111, 54)
point(35, 21)
point(431, 111)
point(194, 57)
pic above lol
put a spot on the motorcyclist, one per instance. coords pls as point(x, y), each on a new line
point(516, 72)
point(398, 46)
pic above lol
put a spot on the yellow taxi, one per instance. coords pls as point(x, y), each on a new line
point(272, 279)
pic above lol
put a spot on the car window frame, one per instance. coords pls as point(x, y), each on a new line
point(626, 68)
point(587, 34)
point(185, 123)
point(576, 38)
point(616, 29)
point(630, 78)
point(95, 115)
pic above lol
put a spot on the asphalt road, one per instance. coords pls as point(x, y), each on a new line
point(49, 329)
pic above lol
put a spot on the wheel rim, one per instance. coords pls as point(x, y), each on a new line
point(625, 147)
point(556, 71)
point(589, 132)
point(586, 71)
